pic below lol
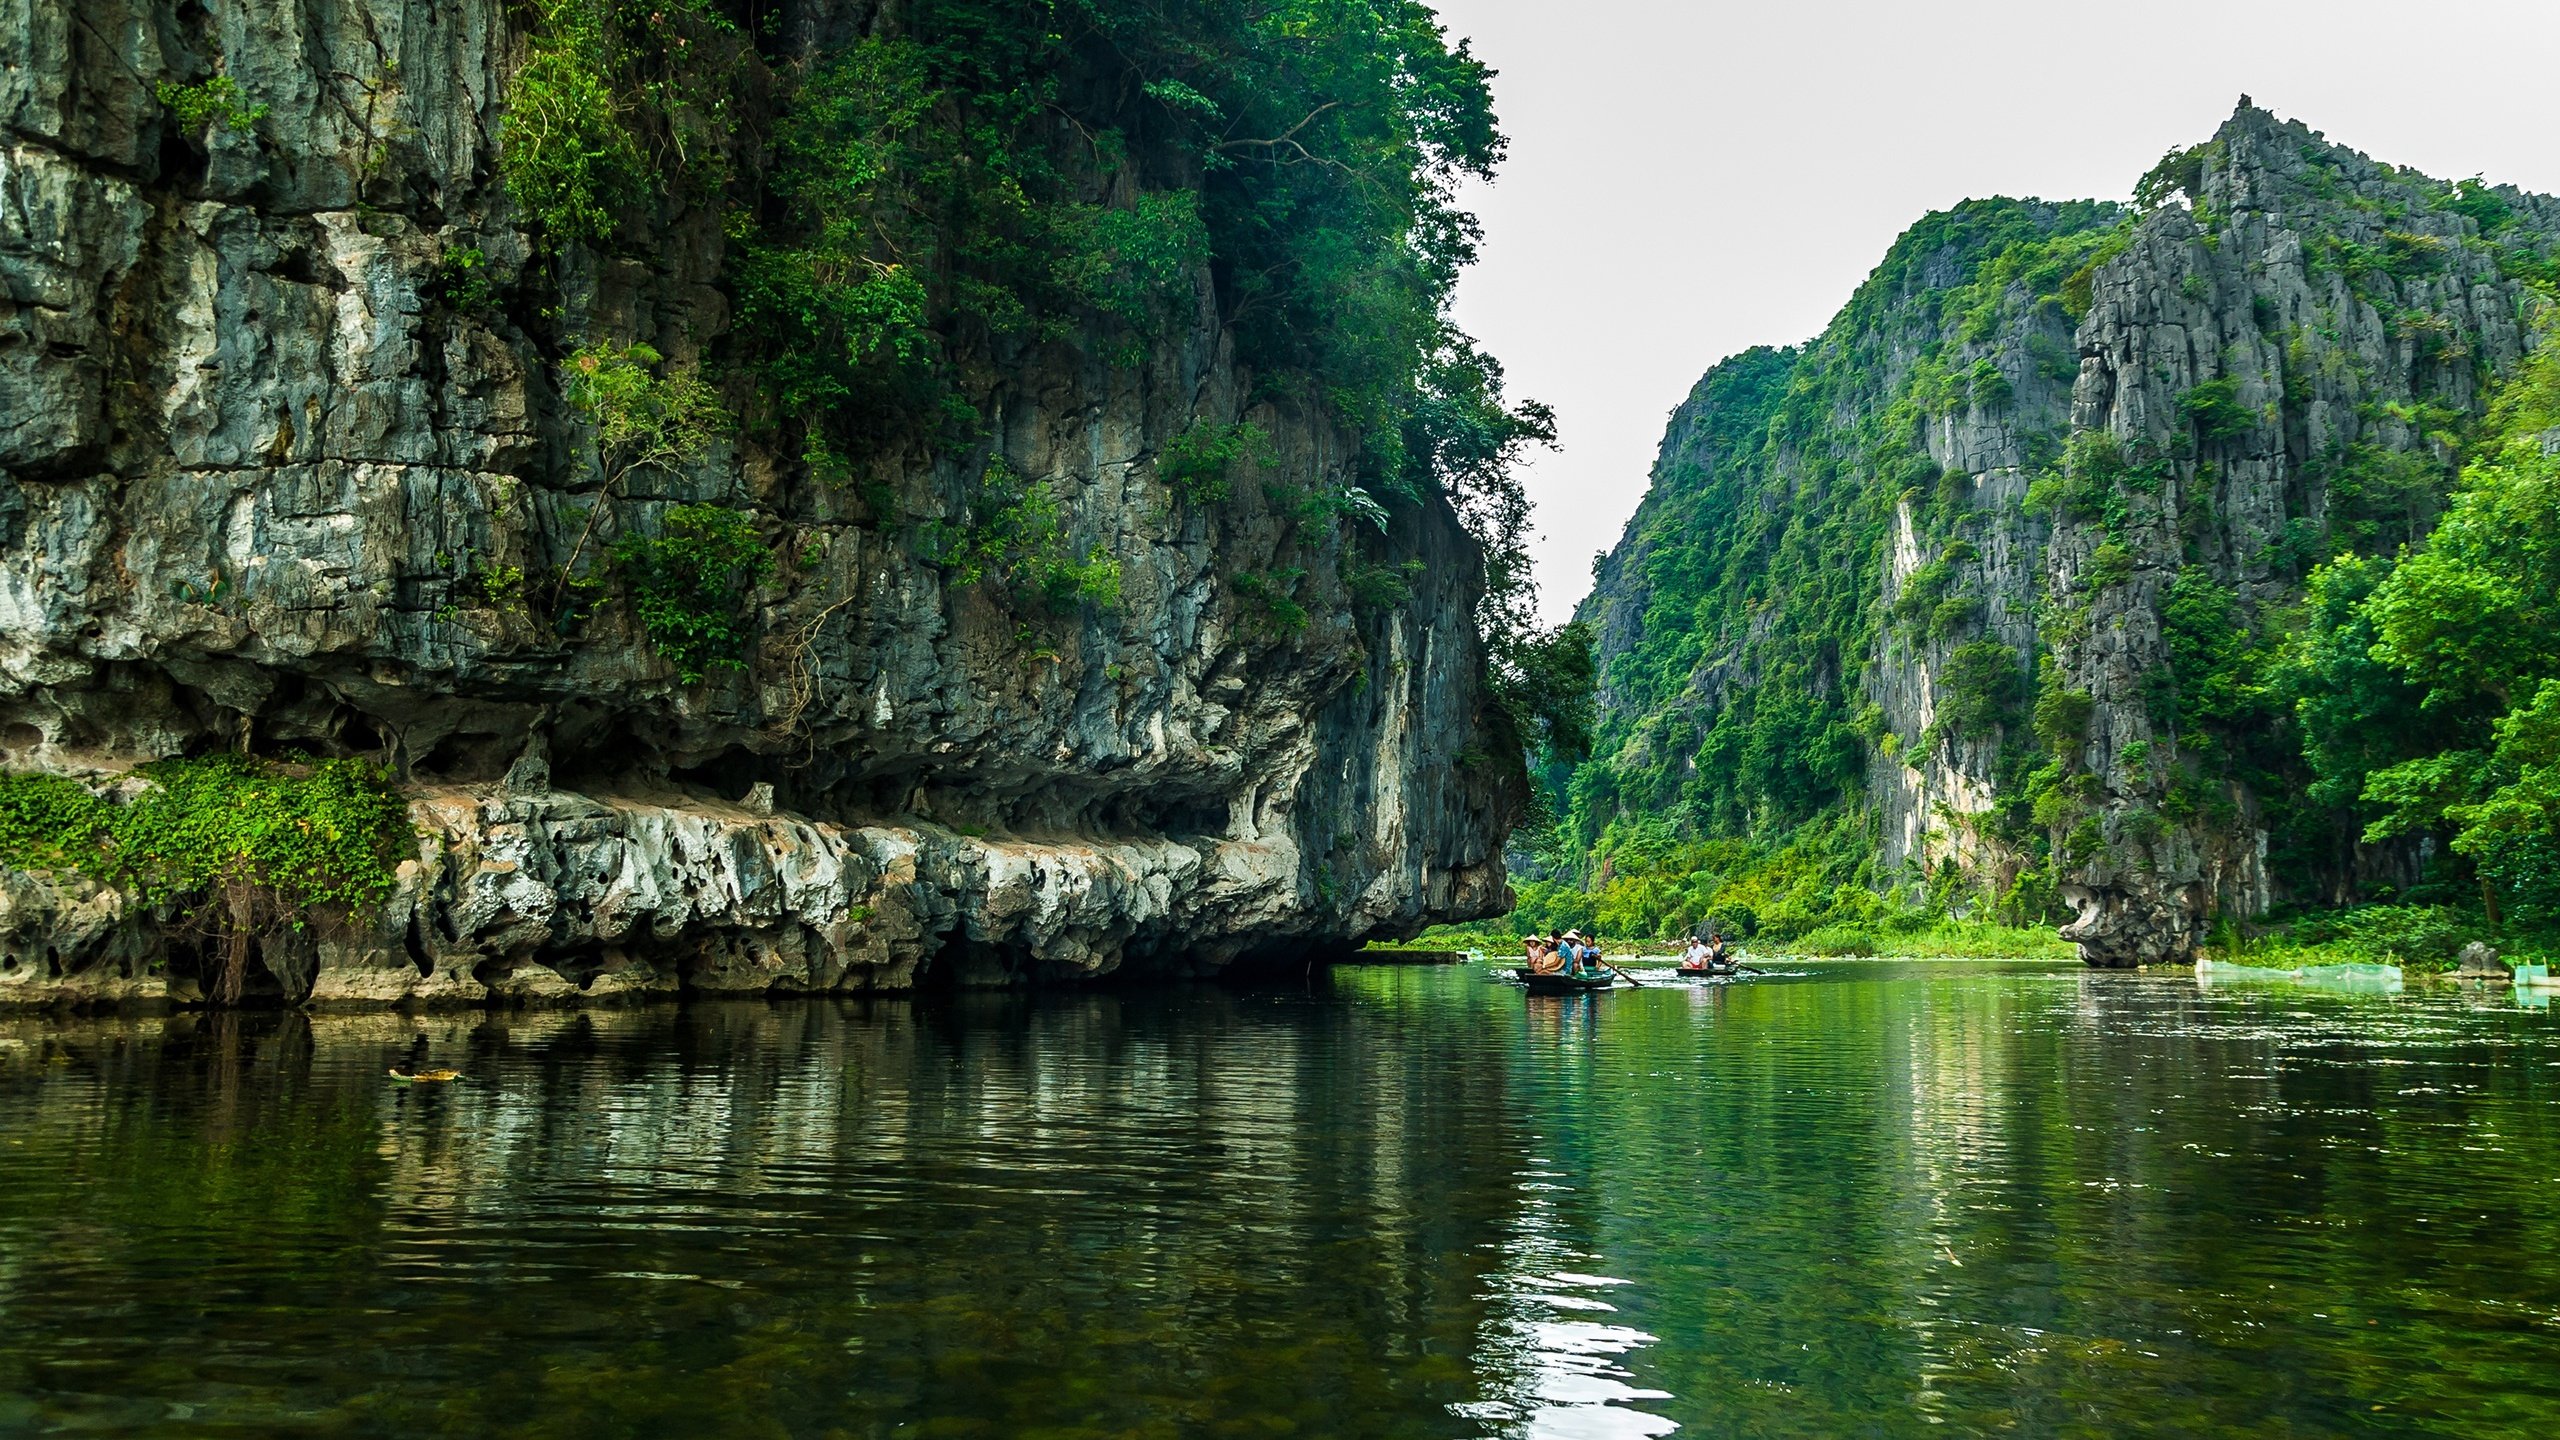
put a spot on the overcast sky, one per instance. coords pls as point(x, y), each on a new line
point(1691, 179)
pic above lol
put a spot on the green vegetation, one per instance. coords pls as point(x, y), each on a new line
point(2428, 686)
point(2416, 937)
point(691, 584)
point(240, 850)
point(927, 202)
point(209, 102)
point(1012, 528)
point(1270, 605)
point(1905, 936)
point(2402, 698)
point(2180, 172)
point(985, 177)
point(2214, 409)
point(1196, 463)
point(1754, 560)
point(621, 105)
point(642, 420)
point(1388, 587)
point(1981, 690)
point(462, 279)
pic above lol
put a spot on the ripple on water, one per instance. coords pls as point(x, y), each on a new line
point(1879, 1198)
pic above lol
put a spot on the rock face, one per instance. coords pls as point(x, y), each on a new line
point(2336, 303)
point(2077, 467)
point(268, 478)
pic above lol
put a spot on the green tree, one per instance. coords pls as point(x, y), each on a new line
point(2449, 718)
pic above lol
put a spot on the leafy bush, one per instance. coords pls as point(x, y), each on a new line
point(2214, 409)
point(1979, 689)
point(2456, 648)
point(1382, 587)
point(1543, 687)
point(1922, 590)
point(209, 102)
point(2179, 172)
point(2409, 255)
point(690, 585)
point(2110, 565)
point(238, 848)
point(642, 420)
point(2092, 464)
point(1954, 616)
point(1852, 941)
point(2062, 714)
point(1988, 388)
point(1195, 463)
point(2485, 206)
point(1270, 607)
point(461, 279)
point(1012, 527)
point(619, 105)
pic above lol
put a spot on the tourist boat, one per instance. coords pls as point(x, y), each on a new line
point(1563, 984)
point(1708, 972)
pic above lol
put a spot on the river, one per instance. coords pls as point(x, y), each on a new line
point(1872, 1199)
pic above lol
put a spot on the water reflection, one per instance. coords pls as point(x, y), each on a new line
point(1552, 1358)
point(1873, 1199)
point(1089, 1215)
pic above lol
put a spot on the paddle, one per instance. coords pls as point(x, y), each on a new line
point(1623, 975)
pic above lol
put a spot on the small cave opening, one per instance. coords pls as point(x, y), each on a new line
point(468, 756)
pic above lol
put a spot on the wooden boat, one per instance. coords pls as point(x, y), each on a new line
point(1707, 972)
point(1563, 984)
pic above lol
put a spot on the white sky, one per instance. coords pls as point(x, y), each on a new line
point(1690, 179)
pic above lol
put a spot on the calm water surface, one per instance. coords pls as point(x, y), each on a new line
point(1867, 1200)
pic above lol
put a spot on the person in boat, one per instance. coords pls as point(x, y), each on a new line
point(1718, 958)
point(1543, 959)
point(1695, 955)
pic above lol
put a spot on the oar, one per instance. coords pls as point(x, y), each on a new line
point(1623, 975)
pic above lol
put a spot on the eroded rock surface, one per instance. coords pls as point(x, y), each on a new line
point(263, 477)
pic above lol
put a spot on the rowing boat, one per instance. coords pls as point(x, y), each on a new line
point(1563, 984)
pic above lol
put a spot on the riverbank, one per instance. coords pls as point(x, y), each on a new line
point(1931, 940)
point(2419, 939)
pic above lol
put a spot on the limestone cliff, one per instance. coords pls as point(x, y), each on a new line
point(276, 472)
point(1999, 561)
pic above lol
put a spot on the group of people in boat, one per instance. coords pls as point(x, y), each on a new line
point(1568, 954)
point(1707, 952)
point(1571, 954)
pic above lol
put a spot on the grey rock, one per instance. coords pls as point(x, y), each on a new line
point(2478, 961)
point(251, 461)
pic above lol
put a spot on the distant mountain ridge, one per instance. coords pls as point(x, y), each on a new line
point(1967, 596)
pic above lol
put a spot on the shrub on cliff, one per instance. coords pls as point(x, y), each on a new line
point(691, 584)
point(236, 848)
